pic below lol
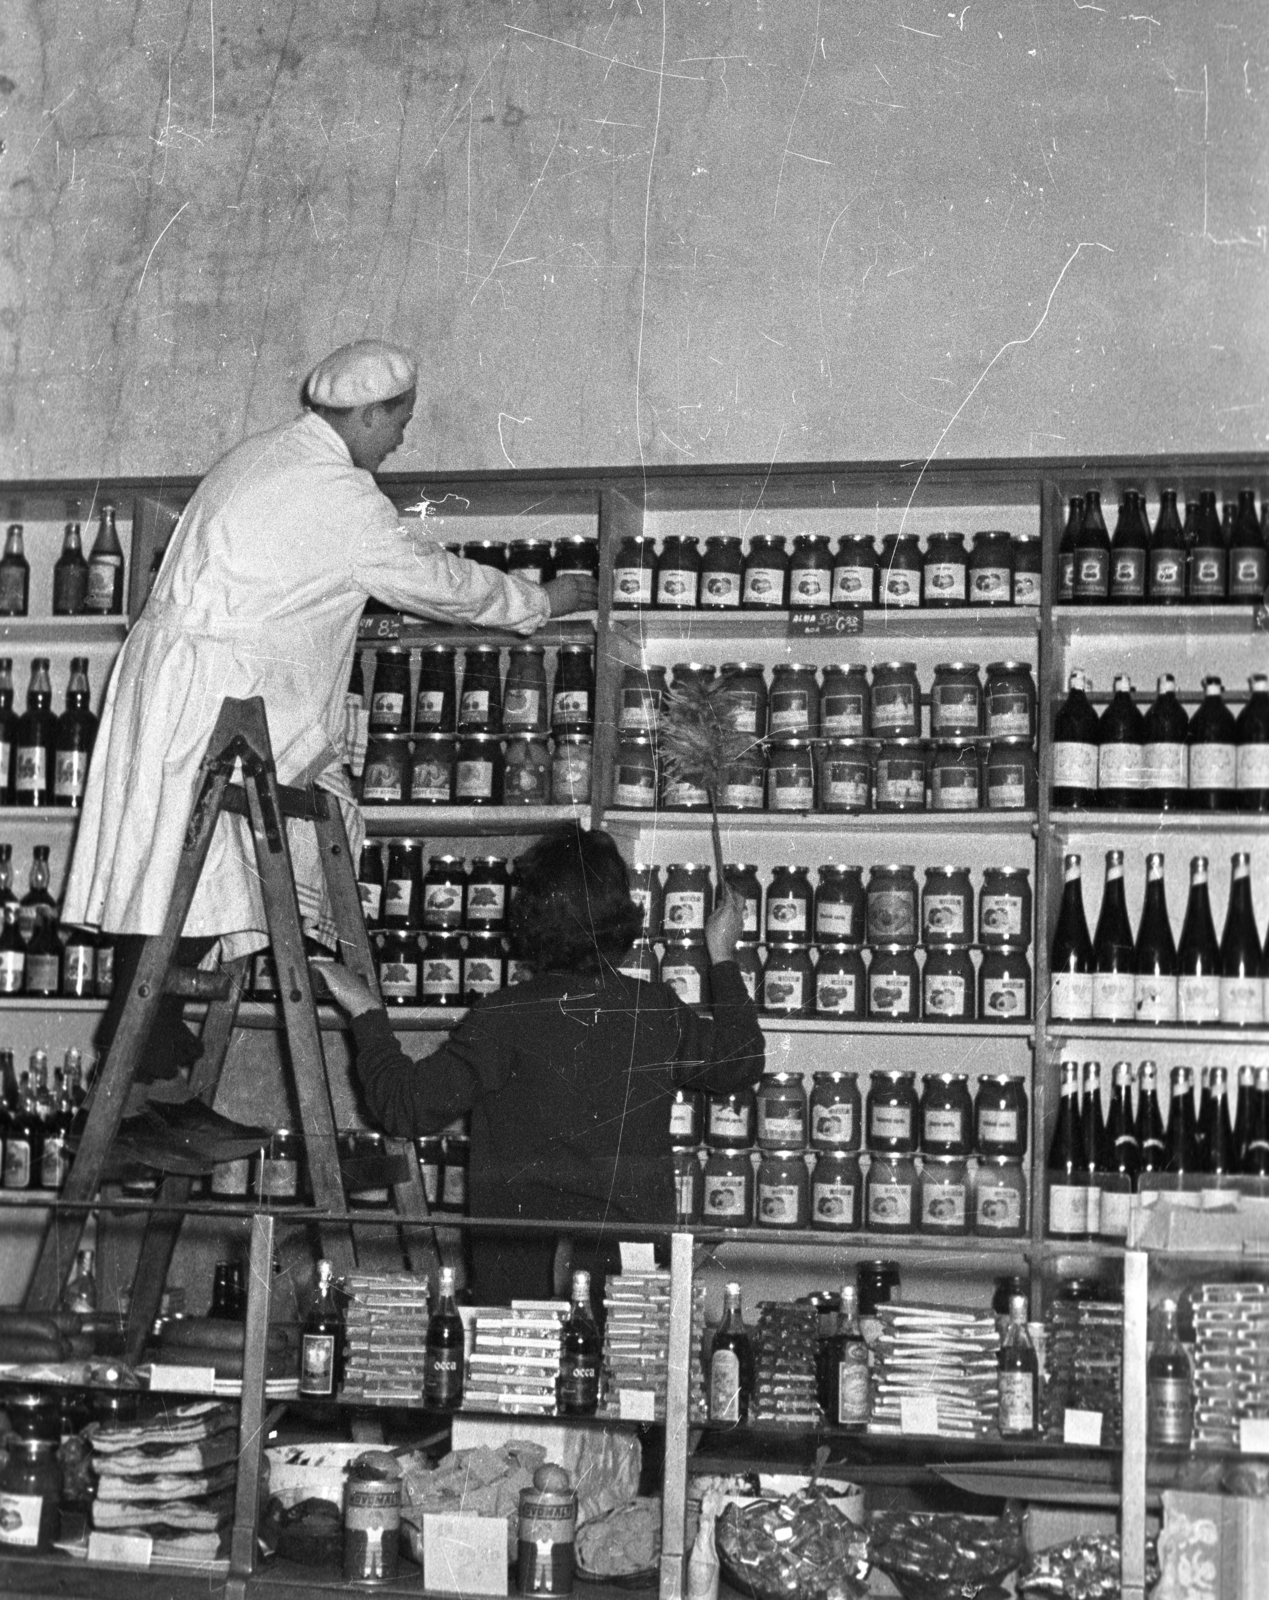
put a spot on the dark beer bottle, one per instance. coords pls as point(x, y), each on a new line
point(1166, 751)
point(731, 1365)
point(15, 575)
point(1066, 550)
point(43, 958)
point(1071, 996)
point(1213, 747)
point(8, 729)
point(1255, 1157)
point(1075, 753)
point(1123, 1159)
point(1198, 956)
point(1206, 571)
point(322, 1339)
point(1243, 1114)
point(581, 1352)
point(1247, 555)
point(76, 734)
point(1114, 950)
point(1096, 1154)
point(1092, 555)
point(1242, 1002)
point(70, 570)
point(1251, 753)
point(34, 739)
point(1154, 986)
point(1128, 553)
point(104, 595)
point(37, 902)
point(1166, 563)
point(12, 952)
point(443, 1355)
point(1121, 753)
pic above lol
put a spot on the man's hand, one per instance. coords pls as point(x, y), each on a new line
point(344, 987)
point(572, 592)
point(724, 926)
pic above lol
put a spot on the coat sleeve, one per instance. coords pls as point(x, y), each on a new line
point(408, 1097)
point(724, 1050)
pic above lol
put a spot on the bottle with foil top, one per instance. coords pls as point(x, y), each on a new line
point(1071, 992)
point(1199, 964)
point(1075, 747)
point(1121, 737)
point(1114, 951)
point(1154, 984)
point(1242, 1003)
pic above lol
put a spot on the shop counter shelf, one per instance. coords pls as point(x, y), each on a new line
point(1065, 824)
point(1110, 622)
point(834, 822)
point(875, 622)
point(40, 633)
point(392, 822)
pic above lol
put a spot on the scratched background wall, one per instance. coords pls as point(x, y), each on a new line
point(636, 230)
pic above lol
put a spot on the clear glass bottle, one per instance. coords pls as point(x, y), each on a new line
point(104, 596)
point(1169, 1385)
point(1018, 1376)
point(731, 1364)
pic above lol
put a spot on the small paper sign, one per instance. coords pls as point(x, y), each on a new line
point(1253, 1436)
point(918, 1413)
point(464, 1555)
point(821, 620)
point(1081, 1427)
point(380, 625)
point(637, 1405)
point(183, 1380)
point(120, 1549)
point(638, 1257)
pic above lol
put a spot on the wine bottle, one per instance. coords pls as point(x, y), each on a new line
point(443, 1354)
point(79, 964)
point(57, 1130)
point(1242, 1116)
point(1018, 1376)
point(24, 1141)
point(1182, 1134)
point(37, 901)
point(731, 1366)
point(1114, 952)
point(322, 1339)
point(1166, 565)
point(33, 741)
point(224, 1300)
point(1121, 756)
point(1075, 736)
point(1198, 956)
point(80, 1294)
point(1201, 1118)
point(1169, 1386)
point(1255, 1159)
point(1096, 1155)
point(1242, 1002)
point(76, 734)
point(1154, 986)
point(8, 728)
point(1123, 1159)
point(1207, 556)
point(848, 1386)
point(43, 959)
point(1152, 1144)
point(1220, 1157)
point(1166, 728)
point(104, 596)
point(1067, 1169)
point(580, 1354)
point(70, 570)
point(1091, 583)
point(1251, 747)
point(1066, 550)
point(1248, 568)
point(1071, 994)
point(15, 575)
point(12, 953)
point(1128, 550)
point(1213, 747)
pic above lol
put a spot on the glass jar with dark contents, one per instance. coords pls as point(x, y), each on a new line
point(525, 707)
point(841, 982)
point(1004, 986)
point(749, 963)
point(947, 1114)
point(634, 572)
point(810, 571)
point(441, 981)
point(403, 885)
point(844, 702)
point(878, 1283)
point(789, 897)
point(891, 906)
point(634, 778)
point(526, 771)
point(781, 1190)
point(991, 569)
point(781, 1103)
point(480, 704)
point(385, 776)
point(721, 569)
point(31, 1494)
point(899, 775)
point(478, 770)
point(743, 785)
point(894, 984)
point(892, 1195)
point(947, 985)
point(432, 762)
point(956, 782)
point(1012, 779)
point(1010, 701)
point(485, 901)
point(765, 582)
point(746, 688)
point(1004, 908)
point(1000, 1116)
point(530, 559)
point(945, 1202)
point(839, 905)
point(947, 907)
point(793, 706)
point(443, 891)
point(687, 1119)
point(790, 775)
point(956, 700)
point(727, 1188)
point(1000, 1197)
point(730, 1120)
point(390, 698)
point(900, 571)
point(837, 1191)
point(487, 553)
point(742, 878)
point(788, 981)
point(573, 696)
point(572, 766)
point(678, 573)
point(484, 968)
point(945, 571)
point(834, 1111)
point(398, 962)
point(1027, 562)
point(685, 969)
point(895, 701)
point(688, 899)
point(436, 700)
point(682, 791)
point(646, 892)
point(577, 555)
point(892, 1112)
point(845, 774)
point(640, 699)
point(855, 571)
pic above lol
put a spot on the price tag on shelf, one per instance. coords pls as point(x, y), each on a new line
point(817, 621)
point(379, 625)
point(637, 1405)
point(1253, 1436)
point(918, 1413)
point(1081, 1427)
point(120, 1549)
point(183, 1380)
point(637, 1256)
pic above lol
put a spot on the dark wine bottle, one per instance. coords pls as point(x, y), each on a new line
point(1243, 1114)
point(1213, 748)
point(1208, 554)
point(1200, 1118)
point(370, 883)
point(1018, 1376)
point(1248, 559)
point(1071, 992)
point(1220, 1157)
point(1121, 756)
point(1096, 1153)
point(70, 570)
point(1123, 1159)
point(847, 1385)
point(15, 575)
point(1075, 734)
point(581, 1352)
point(8, 728)
point(1154, 986)
point(1169, 1386)
point(76, 734)
point(43, 959)
point(1255, 1158)
point(1091, 585)
point(34, 739)
point(12, 953)
point(1066, 550)
point(1242, 988)
point(37, 902)
point(1151, 1139)
point(322, 1339)
point(443, 1351)
point(1128, 553)
point(1166, 751)
point(1198, 956)
point(1114, 950)
point(1166, 563)
point(1251, 752)
point(1066, 1166)
point(731, 1364)
point(1182, 1135)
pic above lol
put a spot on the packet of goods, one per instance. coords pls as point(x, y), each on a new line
point(622, 1541)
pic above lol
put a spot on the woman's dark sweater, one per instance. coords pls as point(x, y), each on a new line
point(569, 1079)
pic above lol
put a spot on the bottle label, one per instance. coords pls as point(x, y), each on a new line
point(78, 965)
point(1253, 766)
point(1005, 999)
point(843, 713)
point(1071, 997)
point(944, 916)
point(473, 708)
point(786, 914)
point(1068, 1210)
point(638, 712)
point(889, 994)
point(102, 573)
point(942, 1127)
point(17, 1163)
point(399, 980)
point(371, 900)
point(442, 1378)
point(724, 1386)
point(30, 769)
point(474, 780)
point(20, 1519)
point(1075, 765)
point(1000, 918)
point(1091, 578)
point(1017, 1402)
point(889, 1124)
point(1171, 1410)
point(1247, 573)
point(790, 710)
point(945, 994)
point(890, 1204)
point(900, 588)
point(442, 904)
point(943, 1205)
point(1167, 576)
point(852, 585)
point(833, 1127)
point(429, 782)
point(387, 710)
point(1198, 999)
point(835, 993)
point(54, 1162)
point(579, 1383)
point(811, 587)
point(521, 709)
point(720, 589)
point(779, 1205)
point(675, 588)
point(441, 978)
point(725, 1195)
point(893, 708)
point(991, 586)
point(945, 580)
point(382, 781)
point(70, 769)
point(1242, 1001)
point(685, 910)
point(1128, 575)
point(997, 1128)
point(1066, 575)
point(1093, 1208)
point(1026, 588)
point(12, 971)
point(396, 900)
point(1114, 997)
point(42, 972)
point(833, 1204)
point(1207, 574)
point(1154, 997)
point(834, 920)
point(854, 1394)
point(632, 586)
point(1212, 766)
point(997, 1206)
point(570, 706)
point(1116, 1204)
point(1120, 766)
point(685, 981)
point(1008, 716)
point(764, 586)
point(783, 991)
point(785, 1132)
point(1164, 766)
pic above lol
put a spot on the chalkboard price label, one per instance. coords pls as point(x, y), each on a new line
point(379, 625)
point(830, 620)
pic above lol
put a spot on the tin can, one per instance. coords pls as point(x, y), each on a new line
point(782, 1190)
point(547, 1535)
point(372, 1521)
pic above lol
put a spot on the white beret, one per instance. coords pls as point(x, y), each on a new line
point(360, 374)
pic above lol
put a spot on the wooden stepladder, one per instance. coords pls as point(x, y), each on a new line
point(240, 739)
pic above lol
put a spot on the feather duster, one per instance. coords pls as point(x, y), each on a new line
point(699, 740)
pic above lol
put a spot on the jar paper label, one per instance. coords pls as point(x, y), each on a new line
point(852, 584)
point(833, 1127)
point(945, 994)
point(1005, 998)
point(786, 914)
point(1154, 998)
point(996, 1128)
point(834, 920)
point(1120, 766)
point(1164, 766)
point(890, 1204)
point(942, 1205)
point(779, 1204)
point(944, 580)
point(890, 1123)
point(998, 1207)
point(944, 915)
point(833, 1203)
point(725, 1196)
point(20, 1519)
point(686, 983)
point(835, 994)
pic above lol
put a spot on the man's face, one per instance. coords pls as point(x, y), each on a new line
point(381, 429)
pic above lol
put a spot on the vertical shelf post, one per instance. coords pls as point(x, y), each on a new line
point(678, 1395)
point(1132, 1487)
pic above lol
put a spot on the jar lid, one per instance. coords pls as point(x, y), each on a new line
point(741, 666)
point(834, 1077)
point(893, 1074)
point(697, 941)
point(895, 950)
point(964, 741)
point(389, 738)
point(28, 1400)
point(679, 538)
point(405, 844)
point(947, 1077)
point(489, 861)
point(739, 866)
point(957, 666)
point(1007, 872)
point(776, 539)
point(899, 538)
point(845, 667)
point(399, 650)
point(487, 738)
point(728, 538)
point(692, 666)
point(790, 741)
point(944, 533)
point(836, 1155)
point(442, 936)
point(992, 533)
point(1011, 741)
point(837, 949)
point(445, 861)
point(894, 666)
point(686, 866)
point(793, 871)
point(575, 649)
point(942, 1161)
point(945, 872)
point(839, 866)
point(527, 649)
point(529, 544)
point(782, 1155)
point(892, 866)
point(781, 1077)
point(907, 741)
point(361, 1136)
point(792, 666)
point(437, 649)
point(819, 538)
point(636, 738)
point(1025, 538)
point(1001, 1077)
point(32, 1447)
point(570, 738)
point(1009, 666)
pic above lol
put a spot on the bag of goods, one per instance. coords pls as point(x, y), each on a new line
point(930, 1555)
point(798, 1548)
point(622, 1542)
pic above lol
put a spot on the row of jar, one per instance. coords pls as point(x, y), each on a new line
point(798, 776)
point(997, 568)
point(939, 1118)
point(885, 983)
point(842, 701)
point(278, 1174)
point(451, 895)
point(843, 1193)
point(477, 769)
point(442, 968)
point(523, 703)
point(839, 908)
point(534, 560)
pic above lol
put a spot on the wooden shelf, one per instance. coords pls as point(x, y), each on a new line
point(967, 622)
point(1065, 824)
point(36, 633)
point(916, 1249)
point(1113, 622)
point(898, 1030)
point(391, 628)
point(1164, 1033)
point(388, 822)
point(829, 822)
point(62, 817)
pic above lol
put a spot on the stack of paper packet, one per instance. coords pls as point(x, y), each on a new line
point(385, 1335)
point(515, 1361)
point(637, 1344)
point(935, 1353)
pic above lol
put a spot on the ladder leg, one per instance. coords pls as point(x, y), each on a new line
point(242, 1552)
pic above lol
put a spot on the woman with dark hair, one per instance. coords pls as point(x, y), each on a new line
point(569, 1077)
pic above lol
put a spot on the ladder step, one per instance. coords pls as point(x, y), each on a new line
point(194, 984)
point(291, 801)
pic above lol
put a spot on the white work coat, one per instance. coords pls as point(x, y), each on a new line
point(259, 594)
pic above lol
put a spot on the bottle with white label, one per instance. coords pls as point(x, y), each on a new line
point(1213, 745)
point(1018, 1375)
point(1169, 1386)
point(1166, 752)
point(1114, 952)
point(1154, 986)
point(1122, 1157)
point(1075, 747)
point(1198, 986)
point(1067, 1169)
point(1251, 755)
point(731, 1365)
point(1071, 994)
point(1121, 759)
point(1096, 1156)
point(1242, 1003)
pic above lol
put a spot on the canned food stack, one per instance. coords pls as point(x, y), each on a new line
point(934, 1353)
point(784, 1349)
point(1083, 1363)
point(637, 1343)
point(514, 1364)
point(1231, 1359)
point(385, 1335)
point(838, 741)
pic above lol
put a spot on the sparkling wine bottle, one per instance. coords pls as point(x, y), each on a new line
point(1242, 1003)
point(1096, 1154)
point(1071, 996)
point(1182, 1134)
point(1213, 745)
point(1154, 986)
point(1198, 988)
point(1152, 1142)
point(1067, 1168)
point(1075, 755)
point(1251, 753)
point(1220, 1156)
point(1121, 757)
point(1114, 950)
point(1123, 1159)
point(1166, 751)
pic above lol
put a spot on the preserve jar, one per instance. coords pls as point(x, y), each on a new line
point(1027, 562)
point(685, 969)
point(878, 1282)
point(837, 1191)
point(572, 700)
point(1000, 1197)
point(900, 571)
point(742, 878)
point(955, 776)
point(403, 884)
point(810, 571)
point(891, 1197)
point(278, 1168)
point(571, 769)
point(577, 554)
point(443, 891)
point(781, 1100)
point(845, 775)
point(634, 778)
point(478, 770)
point(486, 553)
point(1009, 701)
point(844, 702)
point(31, 1495)
point(526, 770)
point(530, 559)
point(689, 1186)
point(782, 1190)
point(749, 963)
point(688, 899)
point(793, 706)
point(947, 907)
point(729, 1120)
point(640, 699)
point(398, 962)
point(687, 1119)
point(839, 905)
point(484, 966)
point(746, 687)
point(1004, 908)
point(678, 573)
point(1004, 986)
point(362, 1157)
point(1000, 1116)
point(33, 1414)
point(698, 673)
point(991, 569)
point(945, 1203)
point(480, 703)
point(956, 697)
point(743, 782)
point(436, 700)
point(1012, 781)
point(386, 773)
point(370, 884)
point(525, 708)
point(947, 1114)
point(834, 1111)
point(640, 961)
point(894, 984)
point(789, 897)
point(727, 1188)
point(390, 698)
point(441, 983)
point(788, 981)
point(895, 701)
point(645, 891)
point(432, 763)
point(721, 569)
point(899, 783)
point(947, 986)
point(891, 906)
point(892, 1112)
point(840, 981)
point(945, 571)
point(855, 571)
point(634, 571)
point(485, 901)
point(765, 581)
point(790, 775)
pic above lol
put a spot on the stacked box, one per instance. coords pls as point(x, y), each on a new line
point(933, 1351)
point(385, 1335)
point(1083, 1360)
point(1231, 1359)
point(784, 1364)
point(637, 1341)
point(514, 1365)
